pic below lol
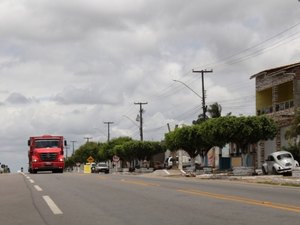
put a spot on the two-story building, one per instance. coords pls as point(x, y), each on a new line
point(278, 96)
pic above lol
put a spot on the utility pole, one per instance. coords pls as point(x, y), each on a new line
point(67, 148)
point(88, 139)
point(108, 129)
point(141, 117)
point(73, 150)
point(204, 107)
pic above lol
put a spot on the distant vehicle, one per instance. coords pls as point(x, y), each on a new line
point(93, 165)
point(46, 153)
point(280, 162)
point(186, 162)
point(101, 168)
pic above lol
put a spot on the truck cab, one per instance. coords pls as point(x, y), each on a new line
point(46, 153)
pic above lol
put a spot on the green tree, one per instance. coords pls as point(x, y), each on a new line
point(107, 149)
point(189, 139)
point(85, 151)
point(142, 150)
point(242, 131)
point(215, 110)
point(251, 129)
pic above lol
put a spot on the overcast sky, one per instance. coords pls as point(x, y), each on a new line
point(68, 66)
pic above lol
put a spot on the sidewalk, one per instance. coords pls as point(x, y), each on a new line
point(267, 179)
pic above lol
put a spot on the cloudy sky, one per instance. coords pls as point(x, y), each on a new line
point(67, 67)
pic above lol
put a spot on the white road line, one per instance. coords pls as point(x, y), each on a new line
point(31, 181)
point(38, 188)
point(167, 172)
point(52, 205)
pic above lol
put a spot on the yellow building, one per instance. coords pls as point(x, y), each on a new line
point(278, 96)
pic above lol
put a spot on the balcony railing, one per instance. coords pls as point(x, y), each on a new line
point(278, 107)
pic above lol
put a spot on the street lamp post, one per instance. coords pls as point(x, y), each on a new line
point(188, 88)
point(180, 151)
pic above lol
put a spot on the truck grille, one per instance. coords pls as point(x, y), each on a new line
point(48, 156)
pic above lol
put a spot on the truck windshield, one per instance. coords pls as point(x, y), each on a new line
point(46, 143)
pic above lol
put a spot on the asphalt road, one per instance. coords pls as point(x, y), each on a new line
point(78, 199)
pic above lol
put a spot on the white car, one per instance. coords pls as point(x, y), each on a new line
point(280, 162)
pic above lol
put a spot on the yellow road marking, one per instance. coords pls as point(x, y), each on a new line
point(137, 182)
point(249, 201)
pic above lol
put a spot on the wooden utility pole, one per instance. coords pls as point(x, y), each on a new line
point(88, 139)
point(204, 107)
point(73, 150)
point(141, 117)
point(108, 130)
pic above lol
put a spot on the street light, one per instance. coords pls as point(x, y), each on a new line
point(188, 88)
point(180, 151)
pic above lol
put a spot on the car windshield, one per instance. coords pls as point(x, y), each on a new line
point(283, 156)
point(46, 143)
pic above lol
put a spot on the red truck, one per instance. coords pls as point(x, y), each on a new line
point(46, 153)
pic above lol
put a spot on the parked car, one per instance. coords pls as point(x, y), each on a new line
point(186, 162)
point(280, 162)
point(101, 168)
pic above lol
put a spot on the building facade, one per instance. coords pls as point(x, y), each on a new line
point(278, 96)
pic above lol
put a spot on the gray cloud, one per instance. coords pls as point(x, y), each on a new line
point(17, 98)
point(92, 95)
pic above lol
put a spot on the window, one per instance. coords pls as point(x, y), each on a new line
point(46, 143)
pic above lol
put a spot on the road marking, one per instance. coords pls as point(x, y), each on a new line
point(167, 172)
point(248, 201)
point(140, 183)
point(31, 181)
point(38, 188)
point(52, 205)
